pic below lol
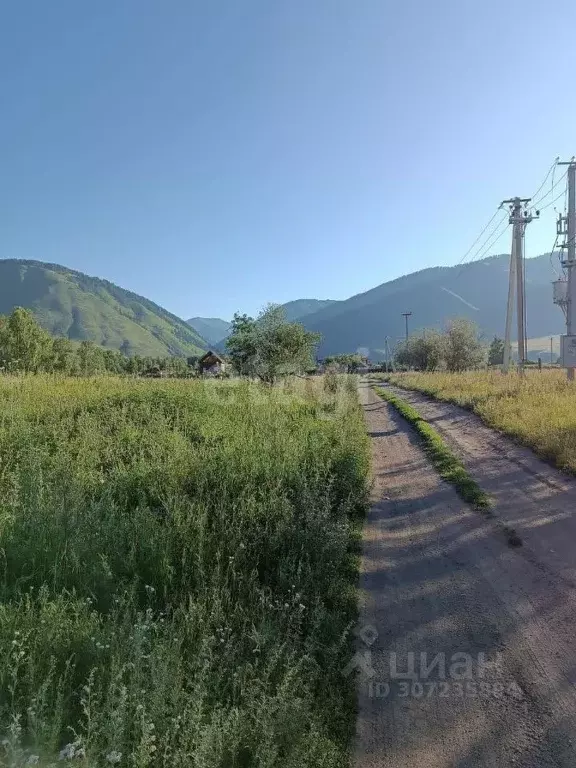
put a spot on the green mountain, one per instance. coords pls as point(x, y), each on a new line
point(71, 304)
point(299, 308)
point(478, 291)
point(215, 330)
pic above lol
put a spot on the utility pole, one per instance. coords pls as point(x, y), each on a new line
point(406, 315)
point(551, 350)
point(519, 218)
point(509, 309)
point(389, 358)
point(567, 227)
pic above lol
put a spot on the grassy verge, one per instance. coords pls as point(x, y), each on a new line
point(178, 572)
point(538, 411)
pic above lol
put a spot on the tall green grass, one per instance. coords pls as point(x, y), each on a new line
point(538, 409)
point(177, 572)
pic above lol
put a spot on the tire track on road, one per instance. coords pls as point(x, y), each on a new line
point(436, 580)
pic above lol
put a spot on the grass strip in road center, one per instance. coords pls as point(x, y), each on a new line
point(448, 465)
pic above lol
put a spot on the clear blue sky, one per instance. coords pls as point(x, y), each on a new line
point(213, 156)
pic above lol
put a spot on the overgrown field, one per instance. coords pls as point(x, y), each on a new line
point(539, 410)
point(177, 571)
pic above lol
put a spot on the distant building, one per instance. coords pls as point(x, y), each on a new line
point(211, 363)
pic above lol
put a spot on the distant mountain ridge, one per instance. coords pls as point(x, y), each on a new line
point(79, 307)
point(215, 330)
point(477, 291)
point(74, 305)
point(299, 308)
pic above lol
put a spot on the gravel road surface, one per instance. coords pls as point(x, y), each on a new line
point(466, 649)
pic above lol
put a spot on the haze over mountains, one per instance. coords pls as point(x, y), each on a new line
point(212, 329)
point(215, 330)
point(71, 304)
point(477, 291)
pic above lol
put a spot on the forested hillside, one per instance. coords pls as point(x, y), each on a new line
point(82, 308)
point(477, 291)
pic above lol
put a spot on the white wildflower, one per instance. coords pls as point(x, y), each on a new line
point(67, 752)
point(114, 756)
point(33, 760)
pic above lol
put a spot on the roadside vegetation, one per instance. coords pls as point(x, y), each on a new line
point(457, 348)
point(539, 410)
point(177, 571)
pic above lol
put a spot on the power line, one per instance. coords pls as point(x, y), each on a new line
point(492, 238)
point(490, 242)
point(552, 256)
point(550, 170)
point(537, 202)
point(497, 235)
point(562, 194)
point(480, 235)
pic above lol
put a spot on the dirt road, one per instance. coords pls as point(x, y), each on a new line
point(466, 648)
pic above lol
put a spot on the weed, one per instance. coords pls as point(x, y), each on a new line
point(177, 571)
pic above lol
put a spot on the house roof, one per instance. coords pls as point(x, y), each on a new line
point(212, 357)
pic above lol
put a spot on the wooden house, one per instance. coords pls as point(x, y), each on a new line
point(211, 363)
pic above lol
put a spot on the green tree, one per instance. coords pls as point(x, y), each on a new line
point(269, 346)
point(24, 345)
point(422, 351)
point(241, 344)
point(463, 348)
point(177, 367)
point(496, 352)
point(64, 357)
point(349, 362)
point(114, 361)
point(91, 358)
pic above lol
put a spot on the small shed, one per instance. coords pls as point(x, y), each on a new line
point(212, 363)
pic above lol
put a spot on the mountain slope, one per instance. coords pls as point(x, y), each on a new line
point(213, 329)
point(299, 308)
point(71, 304)
point(477, 291)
